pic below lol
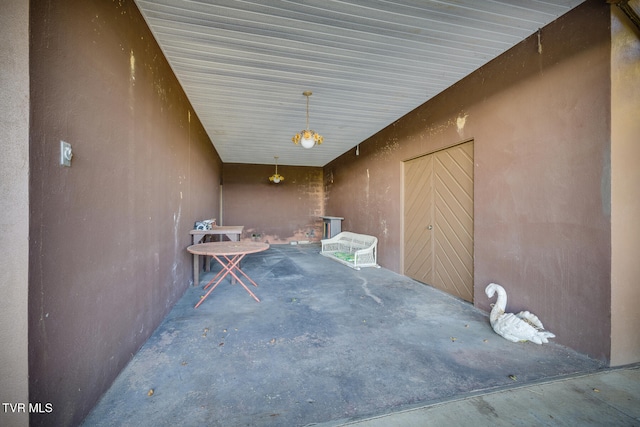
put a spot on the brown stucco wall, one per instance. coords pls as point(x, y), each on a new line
point(273, 213)
point(541, 129)
point(625, 189)
point(107, 235)
point(14, 205)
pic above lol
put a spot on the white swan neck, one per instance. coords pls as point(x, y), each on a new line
point(500, 305)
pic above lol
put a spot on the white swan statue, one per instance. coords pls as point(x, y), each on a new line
point(523, 326)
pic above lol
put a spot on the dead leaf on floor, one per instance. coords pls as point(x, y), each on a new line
point(596, 390)
point(453, 339)
point(150, 393)
point(221, 344)
point(513, 377)
point(273, 341)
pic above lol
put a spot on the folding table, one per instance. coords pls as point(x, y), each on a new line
point(228, 255)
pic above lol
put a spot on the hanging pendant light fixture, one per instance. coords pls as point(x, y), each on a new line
point(276, 178)
point(307, 138)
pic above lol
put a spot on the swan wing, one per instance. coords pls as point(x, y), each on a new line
point(541, 335)
point(530, 318)
point(514, 329)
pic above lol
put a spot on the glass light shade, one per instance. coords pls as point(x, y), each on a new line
point(307, 138)
point(307, 142)
point(275, 178)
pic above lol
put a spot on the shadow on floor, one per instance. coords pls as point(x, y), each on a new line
point(326, 343)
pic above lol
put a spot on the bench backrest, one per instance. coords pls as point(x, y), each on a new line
point(355, 239)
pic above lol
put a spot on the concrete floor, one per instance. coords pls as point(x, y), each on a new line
point(329, 345)
point(606, 398)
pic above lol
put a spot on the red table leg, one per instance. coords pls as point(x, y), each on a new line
point(224, 271)
point(228, 268)
point(237, 267)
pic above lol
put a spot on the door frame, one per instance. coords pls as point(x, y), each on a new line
point(403, 163)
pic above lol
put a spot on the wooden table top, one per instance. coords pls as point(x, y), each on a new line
point(220, 229)
point(227, 248)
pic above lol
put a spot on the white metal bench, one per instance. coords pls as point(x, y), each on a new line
point(352, 249)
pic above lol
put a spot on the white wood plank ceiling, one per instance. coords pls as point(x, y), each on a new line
point(245, 63)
